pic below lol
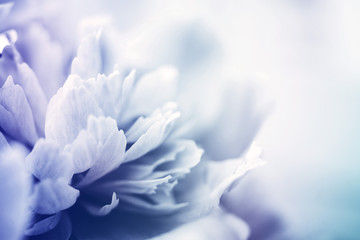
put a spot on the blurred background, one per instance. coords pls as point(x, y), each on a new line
point(302, 56)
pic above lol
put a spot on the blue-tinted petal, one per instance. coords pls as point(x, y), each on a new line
point(44, 56)
point(148, 133)
point(143, 101)
point(47, 160)
point(11, 64)
point(143, 186)
point(234, 127)
point(17, 124)
point(104, 210)
point(136, 204)
point(55, 229)
point(5, 9)
point(14, 190)
point(68, 111)
point(109, 86)
point(87, 63)
point(3, 142)
point(44, 225)
point(111, 144)
point(145, 166)
point(218, 225)
point(208, 181)
point(52, 196)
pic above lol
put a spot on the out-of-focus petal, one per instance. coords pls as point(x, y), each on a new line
point(218, 225)
point(205, 184)
point(14, 189)
point(43, 55)
point(236, 123)
point(3, 142)
point(56, 227)
point(44, 225)
point(52, 196)
point(143, 101)
point(17, 124)
point(87, 63)
point(5, 9)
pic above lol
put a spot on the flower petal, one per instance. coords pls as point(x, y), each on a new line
point(205, 185)
point(110, 146)
point(3, 142)
point(148, 133)
point(56, 227)
point(218, 225)
point(44, 225)
point(52, 196)
point(47, 160)
point(143, 101)
point(68, 111)
point(45, 57)
point(87, 63)
point(18, 124)
point(5, 9)
point(10, 64)
point(104, 210)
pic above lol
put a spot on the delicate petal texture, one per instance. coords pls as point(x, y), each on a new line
point(162, 81)
point(10, 64)
point(52, 196)
point(141, 206)
point(47, 160)
point(18, 124)
point(150, 132)
point(83, 149)
point(68, 111)
point(218, 225)
point(110, 146)
point(87, 64)
point(110, 86)
point(14, 190)
point(104, 210)
point(170, 158)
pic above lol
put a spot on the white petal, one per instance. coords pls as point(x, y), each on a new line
point(47, 160)
point(11, 64)
point(110, 148)
point(218, 225)
point(18, 124)
point(68, 111)
point(53, 196)
point(151, 131)
point(104, 210)
point(152, 90)
point(88, 62)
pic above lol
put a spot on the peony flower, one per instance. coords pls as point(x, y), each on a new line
point(111, 154)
